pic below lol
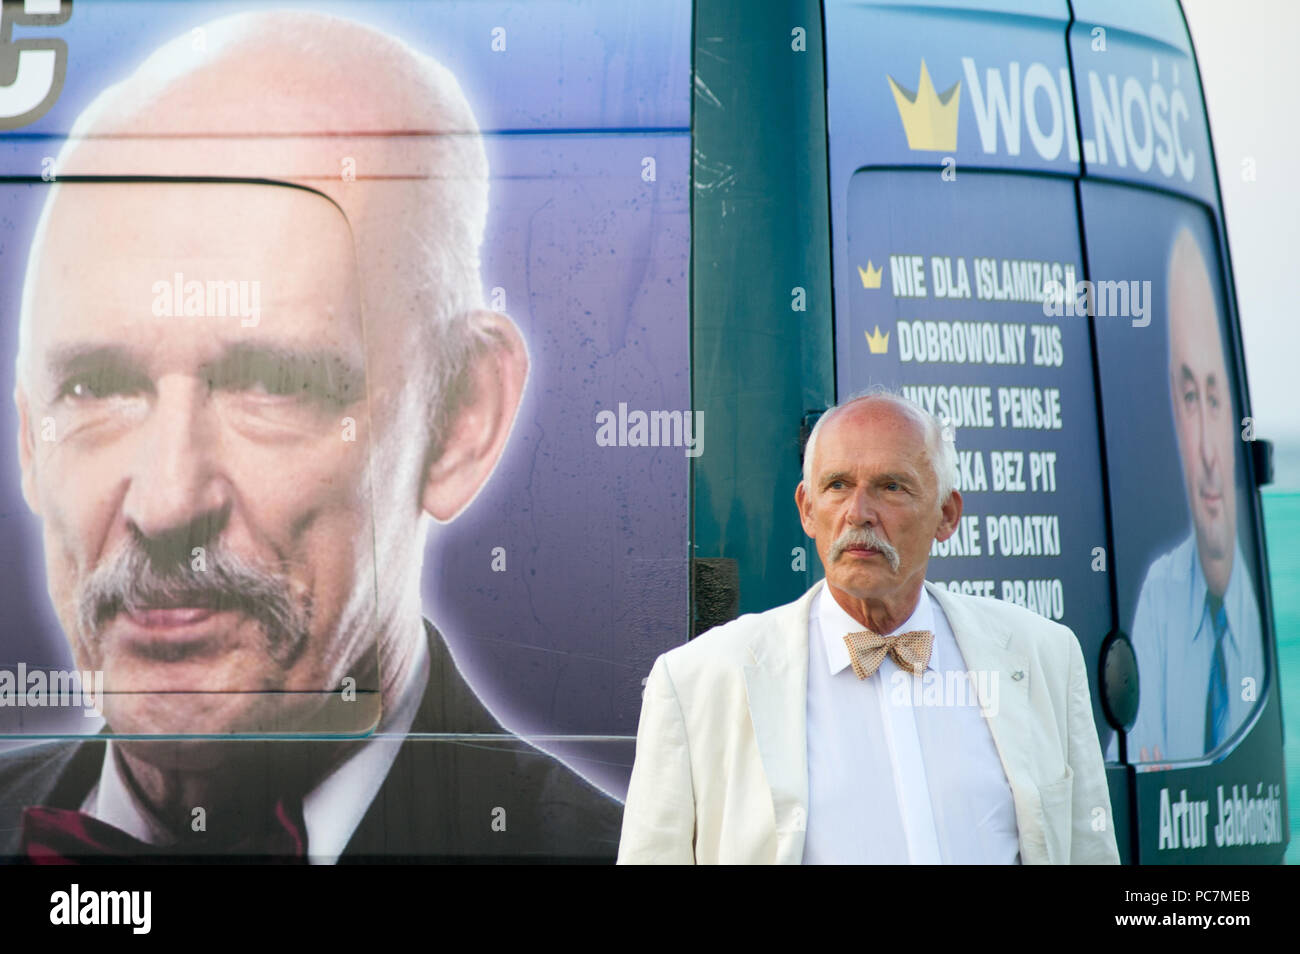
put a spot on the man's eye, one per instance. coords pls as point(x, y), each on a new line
point(267, 379)
point(82, 390)
point(96, 388)
point(270, 382)
point(277, 385)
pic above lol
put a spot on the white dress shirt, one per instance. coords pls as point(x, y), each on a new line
point(331, 811)
point(898, 775)
point(1173, 639)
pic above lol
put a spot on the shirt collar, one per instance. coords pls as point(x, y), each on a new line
point(1196, 609)
point(1237, 600)
point(835, 624)
point(331, 811)
point(334, 808)
point(112, 801)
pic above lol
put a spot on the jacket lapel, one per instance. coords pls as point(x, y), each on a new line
point(776, 681)
point(397, 813)
point(985, 647)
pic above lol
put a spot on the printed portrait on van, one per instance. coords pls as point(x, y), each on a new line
point(1181, 497)
point(307, 481)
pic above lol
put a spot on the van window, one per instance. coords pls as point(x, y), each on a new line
point(1180, 495)
point(947, 303)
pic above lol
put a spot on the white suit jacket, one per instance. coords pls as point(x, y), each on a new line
point(721, 771)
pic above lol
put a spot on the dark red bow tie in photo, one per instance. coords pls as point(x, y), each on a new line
point(60, 836)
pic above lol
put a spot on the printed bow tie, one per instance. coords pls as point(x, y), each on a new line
point(910, 650)
point(60, 836)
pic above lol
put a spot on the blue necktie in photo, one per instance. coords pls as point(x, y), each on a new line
point(1216, 704)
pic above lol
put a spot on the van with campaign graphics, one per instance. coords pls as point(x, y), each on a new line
point(362, 354)
point(1017, 225)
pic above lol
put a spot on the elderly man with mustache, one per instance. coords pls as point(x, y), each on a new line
point(879, 718)
point(234, 512)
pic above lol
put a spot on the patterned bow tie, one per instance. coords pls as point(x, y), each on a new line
point(60, 836)
point(910, 650)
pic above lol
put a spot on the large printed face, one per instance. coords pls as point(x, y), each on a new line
point(872, 476)
point(200, 466)
point(1203, 414)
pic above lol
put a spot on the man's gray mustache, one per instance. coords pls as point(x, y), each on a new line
point(131, 581)
point(864, 537)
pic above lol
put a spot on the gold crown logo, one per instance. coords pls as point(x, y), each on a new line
point(929, 118)
point(870, 277)
point(877, 342)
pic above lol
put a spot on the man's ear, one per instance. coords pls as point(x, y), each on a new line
point(26, 451)
point(477, 431)
point(804, 502)
point(950, 514)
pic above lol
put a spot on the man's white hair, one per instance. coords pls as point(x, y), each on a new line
point(941, 450)
point(452, 198)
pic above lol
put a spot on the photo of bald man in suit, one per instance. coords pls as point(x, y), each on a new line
point(234, 498)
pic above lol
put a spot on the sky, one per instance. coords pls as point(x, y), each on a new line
point(1242, 47)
